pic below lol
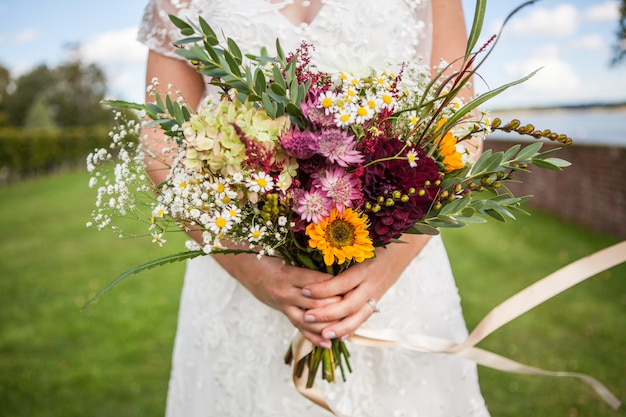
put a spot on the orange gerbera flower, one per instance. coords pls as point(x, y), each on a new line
point(342, 237)
point(452, 159)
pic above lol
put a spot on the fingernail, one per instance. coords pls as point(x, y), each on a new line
point(309, 318)
point(330, 335)
point(326, 345)
point(345, 337)
point(305, 292)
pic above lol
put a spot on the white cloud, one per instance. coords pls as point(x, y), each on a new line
point(556, 82)
point(592, 42)
point(114, 48)
point(607, 11)
point(123, 60)
point(563, 20)
point(26, 36)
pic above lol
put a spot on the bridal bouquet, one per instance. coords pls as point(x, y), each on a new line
point(316, 166)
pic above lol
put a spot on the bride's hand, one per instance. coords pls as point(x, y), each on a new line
point(279, 286)
point(360, 283)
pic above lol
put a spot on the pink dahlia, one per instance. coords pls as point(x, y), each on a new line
point(341, 187)
point(338, 147)
point(313, 206)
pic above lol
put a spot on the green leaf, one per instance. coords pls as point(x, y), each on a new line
point(233, 48)
point(260, 83)
point(494, 162)
point(208, 31)
point(495, 214)
point(445, 223)
point(511, 152)
point(280, 53)
point(529, 151)
point(422, 229)
point(185, 28)
point(191, 39)
point(465, 110)
point(455, 206)
point(472, 219)
point(554, 164)
point(479, 166)
point(468, 212)
point(269, 106)
point(278, 77)
point(232, 64)
point(477, 26)
point(274, 93)
point(121, 104)
point(306, 261)
point(148, 265)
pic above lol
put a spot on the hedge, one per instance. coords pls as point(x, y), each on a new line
point(31, 152)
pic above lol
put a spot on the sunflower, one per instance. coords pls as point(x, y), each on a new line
point(341, 236)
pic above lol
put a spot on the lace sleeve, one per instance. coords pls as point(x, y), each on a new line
point(156, 31)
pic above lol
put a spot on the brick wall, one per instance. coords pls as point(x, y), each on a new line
point(591, 192)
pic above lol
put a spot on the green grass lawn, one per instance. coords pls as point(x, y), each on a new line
point(113, 358)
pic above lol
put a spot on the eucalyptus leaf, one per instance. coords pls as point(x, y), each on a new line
point(233, 48)
point(510, 153)
point(454, 207)
point(208, 31)
point(278, 77)
point(185, 28)
point(479, 166)
point(529, 151)
point(554, 164)
point(495, 215)
point(260, 84)
point(422, 229)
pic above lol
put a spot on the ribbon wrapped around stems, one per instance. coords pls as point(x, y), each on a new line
point(507, 311)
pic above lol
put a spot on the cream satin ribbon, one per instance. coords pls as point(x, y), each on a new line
point(507, 311)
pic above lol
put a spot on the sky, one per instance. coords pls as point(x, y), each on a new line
point(569, 40)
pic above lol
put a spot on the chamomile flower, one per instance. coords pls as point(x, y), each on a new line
point(235, 213)
point(158, 238)
point(388, 100)
point(363, 113)
point(260, 182)
point(220, 223)
point(412, 157)
point(159, 211)
point(327, 101)
point(344, 117)
point(256, 233)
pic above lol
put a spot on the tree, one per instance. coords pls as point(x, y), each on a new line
point(28, 87)
point(77, 93)
point(70, 94)
point(619, 49)
point(5, 81)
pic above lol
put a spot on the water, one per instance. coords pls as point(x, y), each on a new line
point(588, 126)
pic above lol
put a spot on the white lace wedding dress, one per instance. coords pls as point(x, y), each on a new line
point(228, 352)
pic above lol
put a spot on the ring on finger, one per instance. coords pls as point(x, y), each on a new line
point(374, 306)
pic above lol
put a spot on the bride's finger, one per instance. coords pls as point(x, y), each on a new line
point(339, 285)
point(351, 304)
point(313, 303)
point(346, 327)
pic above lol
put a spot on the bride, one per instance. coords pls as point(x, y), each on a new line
point(238, 314)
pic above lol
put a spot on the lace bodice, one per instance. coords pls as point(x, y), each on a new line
point(399, 30)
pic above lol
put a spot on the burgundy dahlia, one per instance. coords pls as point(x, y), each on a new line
point(400, 195)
